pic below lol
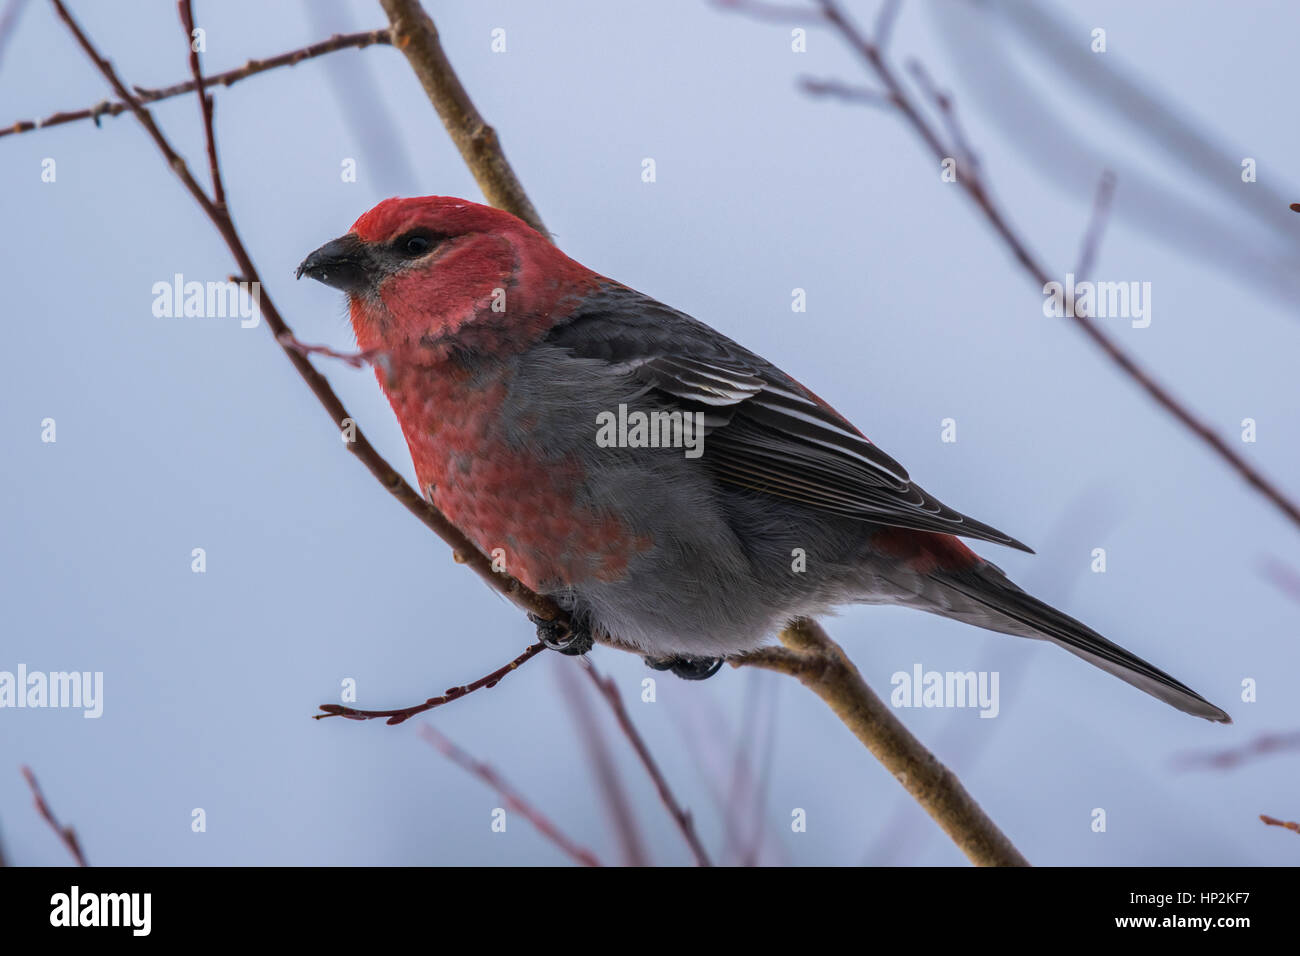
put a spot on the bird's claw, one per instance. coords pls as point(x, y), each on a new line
point(687, 668)
point(571, 641)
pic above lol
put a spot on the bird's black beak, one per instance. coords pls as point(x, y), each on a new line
point(340, 263)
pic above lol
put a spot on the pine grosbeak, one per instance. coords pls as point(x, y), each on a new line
point(518, 376)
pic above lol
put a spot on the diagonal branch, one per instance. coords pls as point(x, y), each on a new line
point(511, 797)
point(186, 9)
point(65, 834)
point(681, 816)
point(823, 667)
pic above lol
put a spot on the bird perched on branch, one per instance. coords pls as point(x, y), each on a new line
point(666, 486)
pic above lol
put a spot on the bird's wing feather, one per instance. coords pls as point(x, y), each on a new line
point(764, 431)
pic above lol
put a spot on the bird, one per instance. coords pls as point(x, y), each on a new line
point(673, 491)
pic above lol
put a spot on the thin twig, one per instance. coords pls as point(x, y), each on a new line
point(1261, 746)
point(1096, 226)
point(681, 816)
point(1285, 824)
point(355, 359)
point(943, 104)
point(837, 89)
point(603, 766)
point(509, 796)
point(822, 666)
point(402, 714)
point(66, 835)
point(886, 16)
point(1282, 576)
point(8, 24)
point(186, 10)
point(341, 41)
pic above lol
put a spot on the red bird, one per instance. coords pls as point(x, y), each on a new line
point(665, 485)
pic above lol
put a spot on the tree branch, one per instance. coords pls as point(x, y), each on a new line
point(681, 816)
point(823, 667)
point(67, 836)
point(341, 41)
point(509, 796)
point(404, 714)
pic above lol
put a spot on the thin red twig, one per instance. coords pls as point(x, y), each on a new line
point(403, 714)
point(680, 815)
point(509, 796)
point(66, 835)
point(1261, 746)
point(1285, 824)
point(186, 10)
point(1096, 226)
point(603, 766)
point(340, 41)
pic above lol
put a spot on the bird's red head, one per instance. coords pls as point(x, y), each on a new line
point(445, 269)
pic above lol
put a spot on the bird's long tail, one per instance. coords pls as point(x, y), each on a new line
point(1015, 612)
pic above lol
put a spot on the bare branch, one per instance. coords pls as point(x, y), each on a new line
point(680, 815)
point(8, 24)
point(823, 667)
point(402, 714)
point(186, 10)
point(1261, 746)
point(603, 766)
point(836, 89)
point(511, 798)
point(342, 41)
point(777, 12)
point(66, 835)
point(1285, 824)
point(1097, 225)
point(1282, 576)
point(886, 16)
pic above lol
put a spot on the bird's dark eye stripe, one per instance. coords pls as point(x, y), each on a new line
point(417, 243)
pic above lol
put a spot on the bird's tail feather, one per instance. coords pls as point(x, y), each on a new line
point(990, 589)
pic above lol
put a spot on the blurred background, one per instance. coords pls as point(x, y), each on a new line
point(175, 433)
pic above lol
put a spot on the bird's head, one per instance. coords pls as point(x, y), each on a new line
point(442, 268)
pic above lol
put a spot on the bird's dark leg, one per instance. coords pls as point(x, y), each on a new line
point(687, 668)
point(573, 641)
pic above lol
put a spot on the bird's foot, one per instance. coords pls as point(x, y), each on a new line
point(572, 641)
point(687, 668)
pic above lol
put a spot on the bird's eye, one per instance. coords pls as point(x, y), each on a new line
point(417, 246)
